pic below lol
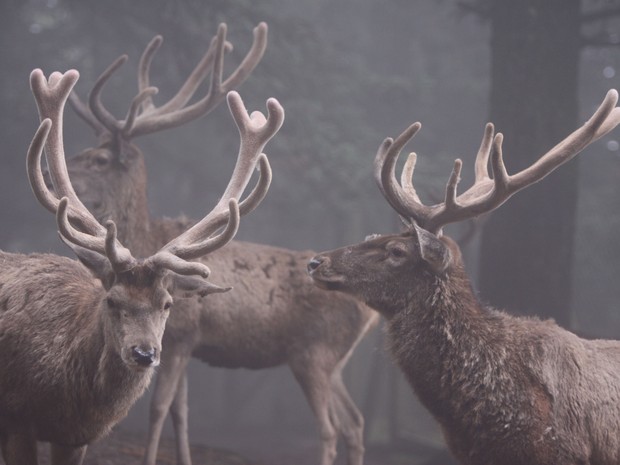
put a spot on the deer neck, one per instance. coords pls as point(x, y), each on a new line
point(136, 227)
point(113, 386)
point(446, 343)
point(90, 382)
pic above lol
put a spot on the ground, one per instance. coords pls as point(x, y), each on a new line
point(121, 448)
point(124, 448)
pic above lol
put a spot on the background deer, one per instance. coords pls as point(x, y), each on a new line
point(78, 343)
point(274, 316)
point(505, 389)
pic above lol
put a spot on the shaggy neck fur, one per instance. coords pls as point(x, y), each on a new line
point(462, 361)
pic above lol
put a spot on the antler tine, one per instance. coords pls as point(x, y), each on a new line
point(604, 119)
point(142, 97)
point(260, 190)
point(144, 67)
point(82, 110)
point(255, 131)
point(33, 167)
point(487, 193)
point(94, 243)
point(402, 198)
point(482, 158)
point(51, 96)
point(216, 48)
point(120, 258)
point(251, 60)
point(35, 174)
point(208, 245)
point(406, 176)
point(47, 199)
point(175, 113)
point(106, 118)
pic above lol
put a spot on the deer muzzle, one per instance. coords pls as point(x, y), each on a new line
point(145, 357)
point(322, 273)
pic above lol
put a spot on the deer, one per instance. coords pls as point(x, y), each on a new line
point(80, 340)
point(505, 389)
point(274, 315)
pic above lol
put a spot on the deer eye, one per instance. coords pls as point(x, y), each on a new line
point(112, 304)
point(101, 158)
point(397, 251)
point(168, 305)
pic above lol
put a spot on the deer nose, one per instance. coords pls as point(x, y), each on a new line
point(144, 357)
point(315, 262)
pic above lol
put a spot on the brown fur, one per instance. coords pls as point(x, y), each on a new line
point(66, 372)
point(505, 389)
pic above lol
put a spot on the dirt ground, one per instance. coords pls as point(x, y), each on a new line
point(123, 448)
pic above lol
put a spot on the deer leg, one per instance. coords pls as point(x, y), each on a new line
point(171, 370)
point(178, 412)
point(350, 420)
point(65, 455)
point(19, 449)
point(316, 386)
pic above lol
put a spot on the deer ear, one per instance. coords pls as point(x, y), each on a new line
point(97, 264)
point(191, 286)
point(432, 250)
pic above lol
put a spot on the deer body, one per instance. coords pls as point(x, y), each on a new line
point(505, 389)
point(71, 365)
point(272, 309)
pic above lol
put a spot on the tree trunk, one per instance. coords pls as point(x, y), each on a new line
point(526, 252)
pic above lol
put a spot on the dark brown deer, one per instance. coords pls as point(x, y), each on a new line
point(505, 389)
point(79, 342)
point(274, 316)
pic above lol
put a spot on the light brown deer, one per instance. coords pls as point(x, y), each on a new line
point(274, 315)
point(505, 389)
point(79, 342)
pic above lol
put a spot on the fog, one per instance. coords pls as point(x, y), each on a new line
point(348, 74)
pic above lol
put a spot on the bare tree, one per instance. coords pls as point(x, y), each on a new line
point(274, 316)
point(505, 389)
point(78, 342)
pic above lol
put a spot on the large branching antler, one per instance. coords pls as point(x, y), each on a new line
point(255, 130)
point(96, 238)
point(489, 191)
point(143, 117)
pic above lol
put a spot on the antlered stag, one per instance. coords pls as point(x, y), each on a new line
point(274, 315)
point(79, 342)
point(505, 390)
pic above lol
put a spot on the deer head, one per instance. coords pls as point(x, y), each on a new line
point(376, 269)
point(136, 296)
point(110, 178)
